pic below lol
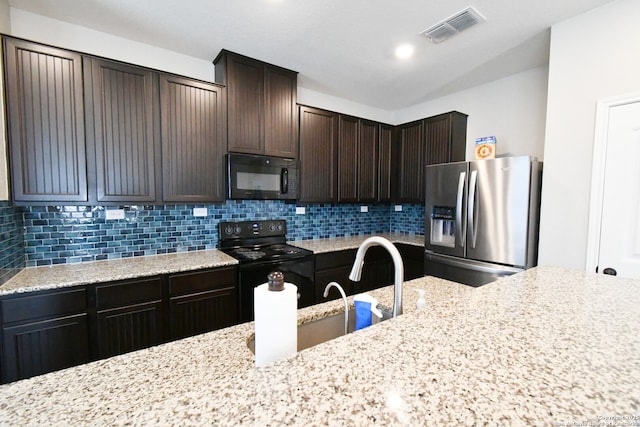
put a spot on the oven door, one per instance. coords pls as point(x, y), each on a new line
point(261, 177)
point(299, 272)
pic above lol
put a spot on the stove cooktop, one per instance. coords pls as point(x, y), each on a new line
point(258, 241)
point(274, 252)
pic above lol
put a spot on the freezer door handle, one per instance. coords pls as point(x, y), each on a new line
point(460, 232)
point(472, 208)
point(484, 267)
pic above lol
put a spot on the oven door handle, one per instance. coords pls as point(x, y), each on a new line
point(284, 180)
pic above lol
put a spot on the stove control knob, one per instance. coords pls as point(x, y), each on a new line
point(272, 227)
point(237, 229)
point(228, 230)
point(279, 227)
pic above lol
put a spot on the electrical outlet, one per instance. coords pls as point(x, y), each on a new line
point(300, 210)
point(398, 208)
point(114, 214)
point(199, 211)
point(364, 208)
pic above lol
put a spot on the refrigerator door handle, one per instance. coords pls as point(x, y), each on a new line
point(460, 230)
point(472, 208)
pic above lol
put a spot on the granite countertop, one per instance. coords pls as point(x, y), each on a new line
point(65, 275)
point(548, 346)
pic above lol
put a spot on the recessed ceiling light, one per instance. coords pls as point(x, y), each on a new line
point(404, 51)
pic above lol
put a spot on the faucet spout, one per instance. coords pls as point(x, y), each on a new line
point(344, 299)
point(356, 271)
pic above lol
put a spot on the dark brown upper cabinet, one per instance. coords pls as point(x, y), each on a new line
point(318, 156)
point(385, 159)
point(122, 108)
point(446, 136)
point(409, 163)
point(193, 144)
point(368, 153)
point(262, 112)
point(348, 137)
point(45, 123)
point(357, 160)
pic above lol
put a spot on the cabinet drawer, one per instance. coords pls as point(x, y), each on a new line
point(43, 306)
point(128, 293)
point(185, 283)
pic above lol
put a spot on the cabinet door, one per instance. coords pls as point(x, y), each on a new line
point(193, 145)
point(245, 85)
point(368, 161)
point(446, 138)
point(348, 138)
point(40, 347)
point(45, 123)
point(318, 155)
point(202, 301)
point(43, 332)
point(280, 113)
point(410, 163)
point(384, 164)
point(129, 316)
point(121, 109)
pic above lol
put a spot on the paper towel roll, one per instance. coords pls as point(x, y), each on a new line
point(276, 322)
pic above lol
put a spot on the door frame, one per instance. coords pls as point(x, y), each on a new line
point(600, 144)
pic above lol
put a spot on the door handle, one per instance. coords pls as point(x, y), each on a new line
point(284, 180)
point(461, 233)
point(472, 208)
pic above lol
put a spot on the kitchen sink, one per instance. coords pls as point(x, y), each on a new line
point(325, 329)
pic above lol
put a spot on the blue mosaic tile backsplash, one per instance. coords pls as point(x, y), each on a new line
point(11, 241)
point(71, 234)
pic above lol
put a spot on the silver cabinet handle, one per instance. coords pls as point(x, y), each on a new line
point(460, 232)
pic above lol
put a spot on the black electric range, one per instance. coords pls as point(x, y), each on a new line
point(261, 247)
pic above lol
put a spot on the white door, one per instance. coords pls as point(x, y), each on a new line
point(619, 251)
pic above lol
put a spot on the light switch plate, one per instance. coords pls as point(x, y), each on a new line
point(199, 211)
point(364, 208)
point(114, 214)
point(300, 210)
point(398, 208)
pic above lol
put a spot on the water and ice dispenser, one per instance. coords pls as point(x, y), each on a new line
point(443, 226)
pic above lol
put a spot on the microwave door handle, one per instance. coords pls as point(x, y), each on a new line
point(284, 180)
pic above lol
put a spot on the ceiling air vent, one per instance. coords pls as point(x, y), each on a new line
point(453, 25)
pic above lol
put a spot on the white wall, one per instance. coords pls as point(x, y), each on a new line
point(57, 33)
point(512, 109)
point(593, 56)
point(320, 100)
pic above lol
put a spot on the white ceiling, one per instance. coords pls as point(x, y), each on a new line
point(343, 48)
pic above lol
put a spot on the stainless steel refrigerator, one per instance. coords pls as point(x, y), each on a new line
point(481, 218)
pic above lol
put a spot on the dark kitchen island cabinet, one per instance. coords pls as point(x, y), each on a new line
point(45, 123)
point(202, 301)
point(43, 332)
point(262, 111)
point(318, 156)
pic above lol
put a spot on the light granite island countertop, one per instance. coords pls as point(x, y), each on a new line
point(548, 346)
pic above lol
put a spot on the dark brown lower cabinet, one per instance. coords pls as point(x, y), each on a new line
point(129, 316)
point(378, 269)
point(202, 301)
point(43, 332)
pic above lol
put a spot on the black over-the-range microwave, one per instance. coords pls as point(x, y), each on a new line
point(261, 177)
